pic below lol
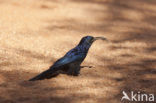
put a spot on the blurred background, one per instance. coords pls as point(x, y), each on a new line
point(35, 33)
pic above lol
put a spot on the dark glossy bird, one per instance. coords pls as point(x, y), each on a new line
point(71, 61)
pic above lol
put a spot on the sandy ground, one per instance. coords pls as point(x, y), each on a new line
point(35, 33)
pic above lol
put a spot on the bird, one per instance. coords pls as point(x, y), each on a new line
point(70, 63)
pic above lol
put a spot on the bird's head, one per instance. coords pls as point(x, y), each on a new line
point(88, 40)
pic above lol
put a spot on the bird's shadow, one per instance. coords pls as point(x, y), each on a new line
point(86, 66)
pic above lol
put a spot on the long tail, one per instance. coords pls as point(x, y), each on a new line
point(45, 75)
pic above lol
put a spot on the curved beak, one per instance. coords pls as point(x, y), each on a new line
point(100, 38)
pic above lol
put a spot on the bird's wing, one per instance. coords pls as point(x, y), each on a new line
point(69, 59)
